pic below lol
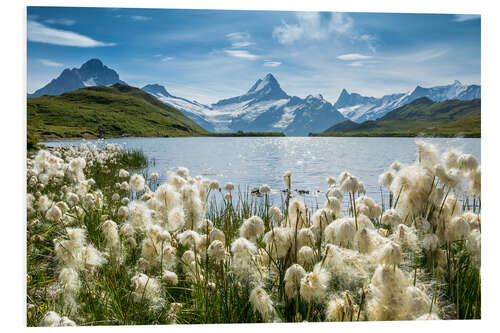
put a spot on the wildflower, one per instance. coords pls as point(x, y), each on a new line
point(278, 241)
point(293, 276)
point(123, 212)
point(330, 180)
point(305, 256)
point(65, 321)
point(252, 228)
point(170, 278)
point(391, 218)
point(110, 230)
point(457, 228)
point(305, 236)
point(341, 308)
point(430, 242)
point(155, 175)
point(147, 288)
point(183, 172)
point(214, 185)
point(265, 189)
point(189, 238)
point(467, 162)
point(216, 250)
point(313, 285)
point(390, 254)
point(229, 187)
point(297, 214)
point(396, 166)
point(287, 179)
point(137, 183)
point(53, 214)
point(262, 304)
point(217, 234)
point(450, 159)
point(50, 319)
point(386, 179)
point(275, 212)
point(115, 197)
point(350, 185)
point(123, 173)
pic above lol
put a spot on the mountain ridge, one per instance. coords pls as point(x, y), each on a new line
point(91, 73)
point(419, 116)
point(359, 108)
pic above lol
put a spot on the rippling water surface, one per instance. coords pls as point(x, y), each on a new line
point(250, 162)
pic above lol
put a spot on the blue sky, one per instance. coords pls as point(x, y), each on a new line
point(208, 55)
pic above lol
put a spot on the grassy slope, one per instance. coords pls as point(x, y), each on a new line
point(422, 116)
point(99, 111)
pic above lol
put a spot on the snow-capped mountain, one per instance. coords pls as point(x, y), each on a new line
point(264, 107)
point(192, 109)
point(91, 73)
point(360, 108)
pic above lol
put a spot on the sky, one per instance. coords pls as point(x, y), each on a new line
point(207, 55)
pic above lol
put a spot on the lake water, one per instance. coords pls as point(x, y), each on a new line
point(250, 162)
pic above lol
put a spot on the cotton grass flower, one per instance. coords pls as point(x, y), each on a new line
point(252, 228)
point(146, 288)
point(265, 189)
point(313, 285)
point(53, 214)
point(123, 173)
point(137, 183)
point(262, 303)
point(51, 319)
point(287, 179)
point(229, 187)
point(293, 277)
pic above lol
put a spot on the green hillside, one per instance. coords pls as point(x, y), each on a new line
point(115, 111)
point(420, 117)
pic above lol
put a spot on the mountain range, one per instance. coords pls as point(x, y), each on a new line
point(421, 116)
point(91, 73)
point(265, 106)
point(361, 108)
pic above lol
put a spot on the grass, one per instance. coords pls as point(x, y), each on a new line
point(96, 112)
point(217, 293)
point(422, 117)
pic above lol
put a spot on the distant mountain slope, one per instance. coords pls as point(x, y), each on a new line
point(360, 108)
point(91, 73)
point(119, 110)
point(420, 116)
point(192, 109)
point(265, 107)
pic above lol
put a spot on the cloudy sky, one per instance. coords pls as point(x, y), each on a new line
point(208, 55)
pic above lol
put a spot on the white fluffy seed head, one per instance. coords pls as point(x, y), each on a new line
point(252, 228)
point(137, 183)
point(313, 285)
point(265, 189)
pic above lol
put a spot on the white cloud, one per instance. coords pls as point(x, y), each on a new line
point(356, 64)
point(38, 32)
point(427, 55)
point(167, 59)
point(466, 17)
point(140, 18)
point(353, 56)
point(242, 54)
point(268, 63)
point(50, 63)
point(66, 22)
point(241, 44)
point(237, 36)
point(313, 26)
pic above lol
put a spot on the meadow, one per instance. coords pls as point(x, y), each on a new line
point(108, 244)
